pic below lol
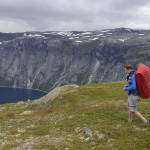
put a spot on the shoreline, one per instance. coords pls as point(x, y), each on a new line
point(23, 88)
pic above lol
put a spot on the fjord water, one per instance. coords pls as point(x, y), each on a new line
point(13, 95)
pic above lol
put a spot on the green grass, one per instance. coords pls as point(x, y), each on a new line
point(99, 107)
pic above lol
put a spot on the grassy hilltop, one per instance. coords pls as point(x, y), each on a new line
point(101, 108)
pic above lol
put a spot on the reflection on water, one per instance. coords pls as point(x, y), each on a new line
point(12, 95)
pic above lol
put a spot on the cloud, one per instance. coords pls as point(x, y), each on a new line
point(44, 15)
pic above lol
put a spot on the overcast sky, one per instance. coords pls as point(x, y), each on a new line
point(73, 15)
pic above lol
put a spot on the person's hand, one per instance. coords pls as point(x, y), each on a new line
point(123, 89)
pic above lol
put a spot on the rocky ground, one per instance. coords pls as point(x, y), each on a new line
point(90, 117)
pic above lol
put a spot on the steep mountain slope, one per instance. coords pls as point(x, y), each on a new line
point(92, 116)
point(45, 60)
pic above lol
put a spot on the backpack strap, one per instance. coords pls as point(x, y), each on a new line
point(129, 76)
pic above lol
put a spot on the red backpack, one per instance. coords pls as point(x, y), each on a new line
point(143, 80)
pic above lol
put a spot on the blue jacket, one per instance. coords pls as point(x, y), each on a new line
point(132, 87)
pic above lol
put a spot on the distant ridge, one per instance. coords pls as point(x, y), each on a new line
point(45, 60)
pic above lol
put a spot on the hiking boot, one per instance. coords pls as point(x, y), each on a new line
point(129, 120)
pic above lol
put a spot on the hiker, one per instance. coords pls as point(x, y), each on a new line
point(133, 95)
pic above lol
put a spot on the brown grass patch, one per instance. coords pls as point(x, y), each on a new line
point(8, 115)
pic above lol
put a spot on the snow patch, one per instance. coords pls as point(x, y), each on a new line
point(65, 33)
point(122, 40)
point(78, 41)
point(76, 35)
point(99, 35)
point(62, 33)
point(105, 31)
point(86, 33)
point(47, 33)
point(128, 30)
point(94, 39)
point(33, 35)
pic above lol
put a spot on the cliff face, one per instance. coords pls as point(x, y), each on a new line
point(45, 60)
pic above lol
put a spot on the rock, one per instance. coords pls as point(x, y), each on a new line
point(2, 109)
point(24, 107)
point(49, 98)
point(20, 102)
point(26, 112)
point(87, 132)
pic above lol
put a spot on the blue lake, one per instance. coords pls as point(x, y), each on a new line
point(13, 95)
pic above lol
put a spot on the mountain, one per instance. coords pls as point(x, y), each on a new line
point(45, 60)
point(86, 117)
